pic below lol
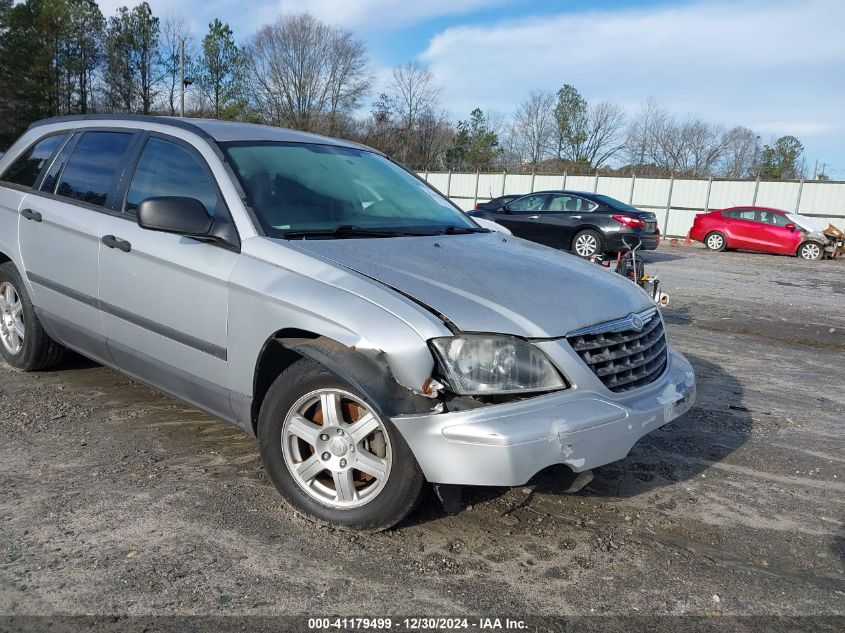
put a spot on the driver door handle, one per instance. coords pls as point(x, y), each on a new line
point(575, 217)
point(115, 242)
point(533, 217)
point(29, 214)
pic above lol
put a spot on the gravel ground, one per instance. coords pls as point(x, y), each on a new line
point(116, 500)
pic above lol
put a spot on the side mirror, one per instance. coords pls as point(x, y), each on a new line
point(791, 226)
point(506, 209)
point(174, 214)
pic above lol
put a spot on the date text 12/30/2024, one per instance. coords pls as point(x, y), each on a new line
point(416, 624)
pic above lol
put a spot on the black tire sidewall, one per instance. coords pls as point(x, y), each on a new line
point(33, 334)
point(405, 481)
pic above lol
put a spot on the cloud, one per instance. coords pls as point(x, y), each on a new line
point(372, 15)
point(197, 14)
point(363, 16)
point(767, 65)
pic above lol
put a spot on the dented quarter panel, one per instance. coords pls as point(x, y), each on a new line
point(275, 286)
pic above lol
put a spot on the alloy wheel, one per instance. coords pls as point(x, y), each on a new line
point(12, 329)
point(586, 245)
point(336, 448)
point(714, 242)
point(811, 251)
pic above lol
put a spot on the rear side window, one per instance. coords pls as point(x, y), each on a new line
point(570, 203)
point(529, 203)
point(93, 167)
point(616, 205)
point(740, 214)
point(51, 178)
point(25, 170)
point(169, 169)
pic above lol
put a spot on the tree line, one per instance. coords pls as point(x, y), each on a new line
point(60, 57)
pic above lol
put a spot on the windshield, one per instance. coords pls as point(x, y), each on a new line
point(298, 189)
point(613, 203)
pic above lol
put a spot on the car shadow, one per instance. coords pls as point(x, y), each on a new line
point(717, 425)
point(71, 362)
point(654, 257)
point(838, 545)
point(682, 450)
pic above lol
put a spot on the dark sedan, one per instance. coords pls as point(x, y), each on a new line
point(584, 223)
point(497, 203)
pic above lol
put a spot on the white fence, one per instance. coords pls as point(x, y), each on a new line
point(674, 200)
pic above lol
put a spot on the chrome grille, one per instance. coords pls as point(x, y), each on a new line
point(626, 353)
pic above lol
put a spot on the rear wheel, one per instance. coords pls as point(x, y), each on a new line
point(23, 342)
point(715, 241)
point(810, 250)
point(331, 454)
point(587, 243)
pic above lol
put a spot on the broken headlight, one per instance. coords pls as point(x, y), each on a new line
point(484, 364)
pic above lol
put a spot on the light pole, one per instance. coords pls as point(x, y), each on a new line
point(182, 77)
point(184, 82)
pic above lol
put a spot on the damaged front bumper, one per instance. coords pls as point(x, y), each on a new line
point(506, 444)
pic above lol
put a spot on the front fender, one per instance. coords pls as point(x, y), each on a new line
point(370, 377)
point(315, 296)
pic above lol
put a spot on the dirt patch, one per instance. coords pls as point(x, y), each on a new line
point(117, 500)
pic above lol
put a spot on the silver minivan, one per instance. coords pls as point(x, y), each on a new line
point(327, 301)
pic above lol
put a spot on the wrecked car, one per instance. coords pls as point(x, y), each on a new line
point(764, 230)
point(830, 237)
point(330, 303)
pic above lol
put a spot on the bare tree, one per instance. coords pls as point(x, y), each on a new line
point(413, 93)
point(691, 148)
point(741, 153)
point(434, 136)
point(639, 149)
point(378, 130)
point(534, 127)
point(602, 136)
point(658, 141)
point(306, 74)
point(174, 31)
point(705, 146)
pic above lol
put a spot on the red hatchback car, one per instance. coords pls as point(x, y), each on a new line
point(754, 229)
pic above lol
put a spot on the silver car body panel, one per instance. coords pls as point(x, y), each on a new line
point(193, 319)
point(277, 286)
point(60, 257)
point(489, 283)
point(505, 445)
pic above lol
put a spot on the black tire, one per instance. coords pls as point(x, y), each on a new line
point(403, 486)
point(718, 242)
point(39, 351)
point(810, 251)
point(587, 235)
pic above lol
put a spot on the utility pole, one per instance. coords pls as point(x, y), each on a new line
point(182, 77)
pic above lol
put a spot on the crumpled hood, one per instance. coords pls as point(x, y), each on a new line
point(486, 282)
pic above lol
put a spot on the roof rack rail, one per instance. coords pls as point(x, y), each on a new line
point(147, 118)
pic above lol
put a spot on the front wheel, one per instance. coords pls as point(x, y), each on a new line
point(23, 342)
point(587, 243)
point(810, 250)
point(332, 456)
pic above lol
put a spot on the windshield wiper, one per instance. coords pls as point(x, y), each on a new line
point(344, 230)
point(462, 230)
